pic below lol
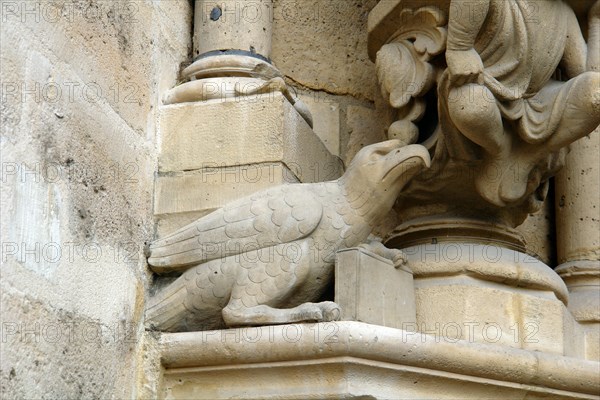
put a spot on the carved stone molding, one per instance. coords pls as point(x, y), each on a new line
point(352, 359)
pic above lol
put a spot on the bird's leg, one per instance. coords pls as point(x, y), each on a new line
point(375, 246)
point(264, 315)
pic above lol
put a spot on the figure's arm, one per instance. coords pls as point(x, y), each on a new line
point(575, 54)
point(579, 57)
point(464, 23)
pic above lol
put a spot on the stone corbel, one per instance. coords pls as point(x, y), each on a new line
point(404, 69)
point(483, 75)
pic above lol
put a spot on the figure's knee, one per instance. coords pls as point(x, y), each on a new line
point(473, 105)
point(587, 93)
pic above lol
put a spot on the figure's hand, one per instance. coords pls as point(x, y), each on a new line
point(464, 66)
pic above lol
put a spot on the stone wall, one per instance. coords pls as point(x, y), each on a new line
point(321, 47)
point(81, 83)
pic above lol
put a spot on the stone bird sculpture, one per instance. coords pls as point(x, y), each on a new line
point(264, 258)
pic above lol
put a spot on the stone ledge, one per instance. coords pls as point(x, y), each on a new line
point(290, 346)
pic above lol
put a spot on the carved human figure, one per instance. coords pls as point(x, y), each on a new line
point(499, 91)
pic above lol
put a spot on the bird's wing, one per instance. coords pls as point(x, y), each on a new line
point(277, 215)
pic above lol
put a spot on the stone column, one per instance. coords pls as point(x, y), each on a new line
point(578, 234)
point(244, 27)
point(232, 126)
point(578, 213)
point(232, 49)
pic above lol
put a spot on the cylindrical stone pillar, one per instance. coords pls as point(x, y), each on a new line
point(232, 49)
point(244, 25)
point(578, 227)
point(232, 46)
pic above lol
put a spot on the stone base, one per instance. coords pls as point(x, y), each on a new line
point(368, 288)
point(352, 359)
point(217, 151)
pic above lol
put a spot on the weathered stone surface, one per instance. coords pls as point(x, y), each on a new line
point(46, 349)
point(365, 127)
point(370, 289)
point(322, 45)
point(233, 25)
point(538, 232)
point(578, 203)
point(498, 296)
point(249, 130)
point(213, 187)
point(351, 359)
point(326, 121)
point(80, 85)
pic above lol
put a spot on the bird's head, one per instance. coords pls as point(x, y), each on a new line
point(381, 170)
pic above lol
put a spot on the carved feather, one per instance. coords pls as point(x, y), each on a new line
point(271, 217)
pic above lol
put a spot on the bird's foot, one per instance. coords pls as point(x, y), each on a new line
point(264, 315)
point(325, 311)
point(398, 257)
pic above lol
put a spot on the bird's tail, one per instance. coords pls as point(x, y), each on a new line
point(166, 310)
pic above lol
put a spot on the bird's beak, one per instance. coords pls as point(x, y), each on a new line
point(404, 163)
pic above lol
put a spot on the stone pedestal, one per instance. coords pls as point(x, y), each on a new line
point(490, 294)
point(370, 289)
point(350, 359)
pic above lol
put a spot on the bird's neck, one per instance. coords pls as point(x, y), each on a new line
point(372, 207)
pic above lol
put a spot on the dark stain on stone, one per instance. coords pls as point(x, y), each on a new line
point(216, 13)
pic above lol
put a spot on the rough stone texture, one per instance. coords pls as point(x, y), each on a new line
point(365, 126)
point(322, 45)
point(183, 197)
point(578, 203)
point(79, 91)
point(326, 121)
point(211, 188)
point(234, 25)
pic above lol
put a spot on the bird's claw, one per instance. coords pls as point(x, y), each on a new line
point(399, 259)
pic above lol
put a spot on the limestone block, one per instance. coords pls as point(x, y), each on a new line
point(482, 313)
point(368, 288)
point(211, 188)
point(242, 131)
point(321, 45)
point(489, 294)
point(326, 121)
